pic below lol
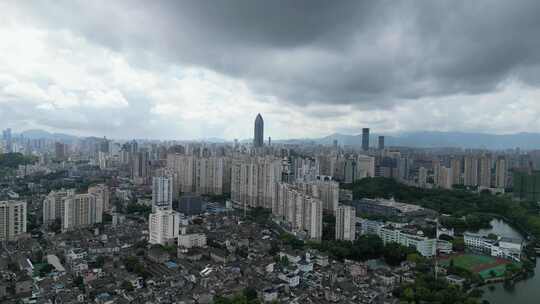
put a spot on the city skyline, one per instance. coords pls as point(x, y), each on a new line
point(344, 69)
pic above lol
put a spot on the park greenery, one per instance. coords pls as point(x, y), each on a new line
point(465, 209)
point(9, 162)
point(247, 296)
point(427, 289)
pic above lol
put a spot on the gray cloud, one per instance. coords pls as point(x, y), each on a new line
point(332, 65)
point(362, 52)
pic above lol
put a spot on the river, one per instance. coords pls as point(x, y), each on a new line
point(523, 292)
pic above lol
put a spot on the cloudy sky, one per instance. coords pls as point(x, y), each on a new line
point(200, 69)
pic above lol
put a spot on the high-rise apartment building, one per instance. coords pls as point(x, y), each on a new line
point(346, 223)
point(422, 177)
point(455, 166)
point(258, 138)
point(445, 177)
point(12, 220)
point(102, 194)
point(53, 205)
point(301, 213)
point(202, 175)
point(325, 190)
point(485, 171)
point(501, 173)
point(253, 180)
point(140, 167)
point(6, 134)
point(162, 192)
point(365, 139)
point(470, 170)
point(365, 166)
point(81, 210)
point(163, 226)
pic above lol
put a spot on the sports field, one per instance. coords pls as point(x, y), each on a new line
point(481, 264)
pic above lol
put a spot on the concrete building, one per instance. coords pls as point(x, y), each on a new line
point(381, 143)
point(485, 171)
point(445, 178)
point(140, 167)
point(193, 240)
point(162, 192)
point(191, 204)
point(164, 226)
point(81, 210)
point(325, 190)
point(301, 213)
point(102, 194)
point(253, 181)
point(501, 173)
point(470, 170)
point(422, 177)
point(455, 166)
point(365, 139)
point(258, 136)
point(346, 223)
point(203, 175)
point(501, 247)
point(365, 166)
point(12, 220)
point(53, 205)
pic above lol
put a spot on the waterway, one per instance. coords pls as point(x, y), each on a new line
point(525, 291)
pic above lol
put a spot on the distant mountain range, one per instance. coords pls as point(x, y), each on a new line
point(429, 139)
point(426, 139)
point(42, 134)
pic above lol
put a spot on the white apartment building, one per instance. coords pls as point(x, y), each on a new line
point(346, 223)
point(164, 226)
point(325, 190)
point(253, 181)
point(53, 205)
point(203, 175)
point(102, 194)
point(365, 166)
point(301, 212)
point(81, 210)
point(12, 220)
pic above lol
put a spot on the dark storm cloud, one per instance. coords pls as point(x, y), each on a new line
point(367, 53)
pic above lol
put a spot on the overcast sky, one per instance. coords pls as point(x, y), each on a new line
point(200, 69)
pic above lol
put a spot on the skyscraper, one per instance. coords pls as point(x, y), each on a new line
point(381, 142)
point(258, 139)
point(7, 139)
point(365, 139)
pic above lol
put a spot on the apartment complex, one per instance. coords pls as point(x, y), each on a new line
point(12, 219)
point(301, 213)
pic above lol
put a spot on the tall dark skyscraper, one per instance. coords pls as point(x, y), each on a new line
point(365, 139)
point(258, 138)
point(381, 142)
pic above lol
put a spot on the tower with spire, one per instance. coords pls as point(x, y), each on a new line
point(258, 138)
